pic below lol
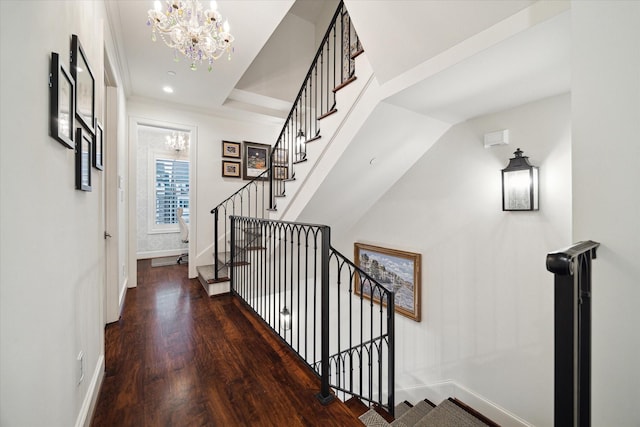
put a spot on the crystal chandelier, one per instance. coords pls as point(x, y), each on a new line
point(177, 141)
point(189, 28)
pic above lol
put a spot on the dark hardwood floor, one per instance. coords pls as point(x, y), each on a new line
point(180, 358)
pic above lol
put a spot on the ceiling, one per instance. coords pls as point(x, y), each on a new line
point(275, 39)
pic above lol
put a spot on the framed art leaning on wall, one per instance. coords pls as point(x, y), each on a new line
point(84, 143)
point(61, 102)
point(85, 85)
point(396, 270)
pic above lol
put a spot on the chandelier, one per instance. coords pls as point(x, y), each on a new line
point(177, 141)
point(189, 28)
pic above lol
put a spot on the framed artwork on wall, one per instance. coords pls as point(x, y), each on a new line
point(256, 160)
point(230, 169)
point(98, 147)
point(231, 149)
point(396, 270)
point(83, 160)
point(61, 103)
point(85, 85)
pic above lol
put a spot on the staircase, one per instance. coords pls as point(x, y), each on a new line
point(449, 413)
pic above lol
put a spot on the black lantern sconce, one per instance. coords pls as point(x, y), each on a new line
point(285, 317)
point(519, 184)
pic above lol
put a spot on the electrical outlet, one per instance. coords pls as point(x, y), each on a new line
point(80, 368)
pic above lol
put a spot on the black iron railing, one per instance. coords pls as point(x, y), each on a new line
point(333, 315)
point(572, 318)
point(250, 200)
point(332, 67)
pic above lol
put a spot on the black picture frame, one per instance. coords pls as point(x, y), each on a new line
point(256, 160)
point(98, 147)
point(231, 149)
point(61, 103)
point(85, 102)
point(84, 142)
point(230, 169)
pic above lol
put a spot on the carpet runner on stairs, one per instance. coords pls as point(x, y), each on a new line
point(425, 414)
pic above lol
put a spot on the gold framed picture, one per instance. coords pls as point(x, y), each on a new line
point(398, 271)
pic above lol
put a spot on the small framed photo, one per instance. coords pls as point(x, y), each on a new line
point(281, 156)
point(280, 172)
point(230, 169)
point(231, 149)
point(85, 86)
point(98, 147)
point(61, 103)
point(398, 271)
point(256, 160)
point(83, 160)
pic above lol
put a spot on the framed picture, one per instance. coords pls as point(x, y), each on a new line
point(61, 102)
point(98, 147)
point(256, 160)
point(280, 172)
point(396, 270)
point(85, 85)
point(83, 160)
point(281, 156)
point(230, 169)
point(231, 149)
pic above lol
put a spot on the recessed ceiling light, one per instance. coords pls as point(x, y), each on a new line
point(171, 73)
point(168, 89)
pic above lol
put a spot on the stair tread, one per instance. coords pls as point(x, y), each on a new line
point(356, 406)
point(206, 274)
point(401, 408)
point(328, 113)
point(413, 415)
point(448, 414)
point(372, 419)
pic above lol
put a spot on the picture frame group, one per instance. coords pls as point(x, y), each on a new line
point(396, 270)
point(72, 101)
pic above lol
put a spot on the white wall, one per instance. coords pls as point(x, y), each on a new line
point(606, 198)
point(487, 300)
point(52, 245)
point(211, 187)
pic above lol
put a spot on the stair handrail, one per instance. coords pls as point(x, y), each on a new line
point(572, 332)
point(276, 185)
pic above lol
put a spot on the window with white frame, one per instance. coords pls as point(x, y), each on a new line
point(171, 191)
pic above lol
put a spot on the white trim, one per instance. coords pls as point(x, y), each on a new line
point(123, 294)
point(441, 390)
point(89, 402)
point(159, 254)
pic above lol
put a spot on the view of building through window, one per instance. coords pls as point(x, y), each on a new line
point(171, 190)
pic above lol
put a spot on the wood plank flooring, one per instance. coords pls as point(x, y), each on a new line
point(180, 358)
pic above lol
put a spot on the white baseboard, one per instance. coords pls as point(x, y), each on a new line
point(89, 402)
point(123, 293)
point(439, 391)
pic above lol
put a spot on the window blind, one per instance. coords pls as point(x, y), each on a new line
point(172, 190)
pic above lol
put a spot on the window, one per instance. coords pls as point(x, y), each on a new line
point(171, 190)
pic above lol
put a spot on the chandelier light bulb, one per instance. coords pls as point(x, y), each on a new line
point(226, 27)
point(157, 6)
point(214, 5)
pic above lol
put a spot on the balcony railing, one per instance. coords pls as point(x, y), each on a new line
point(319, 303)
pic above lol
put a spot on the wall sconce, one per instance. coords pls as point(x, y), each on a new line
point(519, 184)
point(285, 318)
